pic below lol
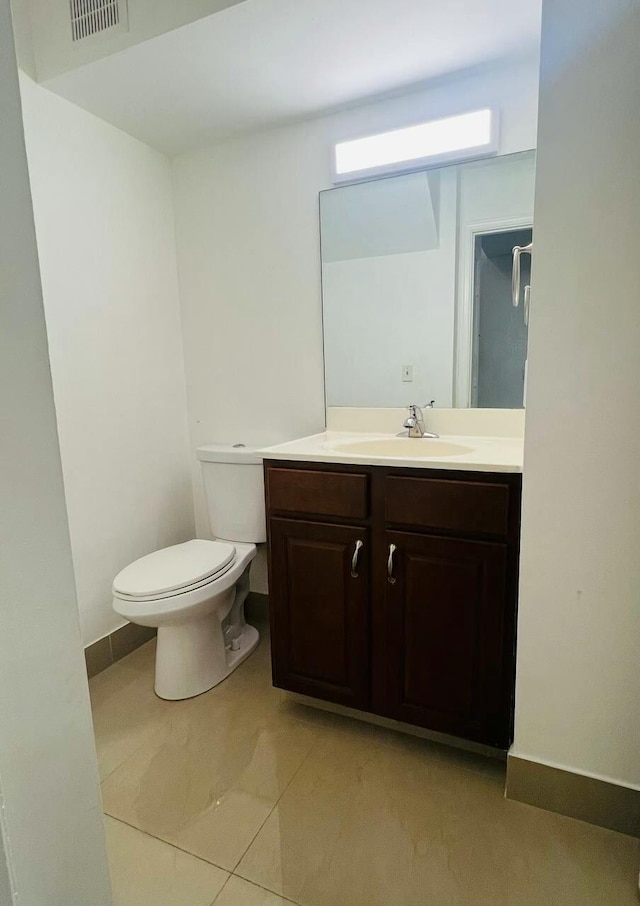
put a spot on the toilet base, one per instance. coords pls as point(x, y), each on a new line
point(191, 657)
point(248, 644)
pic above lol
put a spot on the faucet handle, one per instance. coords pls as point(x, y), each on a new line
point(429, 405)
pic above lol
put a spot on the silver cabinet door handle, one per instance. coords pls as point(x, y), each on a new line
point(390, 576)
point(354, 559)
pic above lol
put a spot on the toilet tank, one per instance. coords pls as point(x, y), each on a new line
point(234, 488)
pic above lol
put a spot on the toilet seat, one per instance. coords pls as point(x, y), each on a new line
point(174, 570)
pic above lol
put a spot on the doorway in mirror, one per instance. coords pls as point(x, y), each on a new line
point(499, 330)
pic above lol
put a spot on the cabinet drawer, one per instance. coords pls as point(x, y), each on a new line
point(461, 506)
point(340, 494)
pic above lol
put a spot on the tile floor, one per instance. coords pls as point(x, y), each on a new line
point(243, 798)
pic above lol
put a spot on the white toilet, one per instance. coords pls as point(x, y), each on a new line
point(195, 592)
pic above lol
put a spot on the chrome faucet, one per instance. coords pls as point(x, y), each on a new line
point(415, 421)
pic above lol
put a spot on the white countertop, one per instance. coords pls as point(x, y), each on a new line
point(487, 454)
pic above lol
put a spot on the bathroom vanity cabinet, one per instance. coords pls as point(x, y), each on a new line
point(393, 591)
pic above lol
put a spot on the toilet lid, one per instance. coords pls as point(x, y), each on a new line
point(173, 568)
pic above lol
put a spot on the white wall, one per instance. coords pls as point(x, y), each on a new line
point(51, 815)
point(386, 312)
point(22, 36)
point(104, 222)
point(5, 881)
point(249, 260)
point(394, 307)
point(578, 681)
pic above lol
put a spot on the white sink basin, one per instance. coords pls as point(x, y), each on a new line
point(400, 447)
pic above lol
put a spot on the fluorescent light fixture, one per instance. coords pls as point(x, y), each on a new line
point(439, 139)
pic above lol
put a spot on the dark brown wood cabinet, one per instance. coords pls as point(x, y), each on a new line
point(445, 605)
point(420, 626)
point(320, 609)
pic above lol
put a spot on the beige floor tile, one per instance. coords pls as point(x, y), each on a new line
point(147, 872)
point(209, 777)
point(490, 766)
point(237, 892)
point(366, 816)
point(366, 823)
point(126, 711)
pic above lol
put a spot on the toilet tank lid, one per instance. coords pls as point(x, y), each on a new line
point(239, 453)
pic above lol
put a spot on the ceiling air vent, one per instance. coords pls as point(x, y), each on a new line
point(91, 17)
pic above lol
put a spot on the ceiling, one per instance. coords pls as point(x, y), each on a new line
point(264, 62)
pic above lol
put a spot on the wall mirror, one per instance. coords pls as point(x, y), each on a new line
point(417, 286)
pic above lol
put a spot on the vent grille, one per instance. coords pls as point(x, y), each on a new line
point(89, 17)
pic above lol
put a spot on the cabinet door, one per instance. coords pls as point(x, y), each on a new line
point(319, 610)
point(445, 609)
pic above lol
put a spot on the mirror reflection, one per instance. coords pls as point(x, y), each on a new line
point(417, 286)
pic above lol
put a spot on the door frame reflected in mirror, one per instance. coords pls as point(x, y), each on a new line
point(464, 328)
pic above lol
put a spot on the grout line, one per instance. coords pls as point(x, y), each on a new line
point(318, 731)
point(268, 815)
point(219, 893)
point(286, 787)
point(262, 887)
point(173, 845)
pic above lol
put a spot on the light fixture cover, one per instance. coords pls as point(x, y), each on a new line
point(438, 140)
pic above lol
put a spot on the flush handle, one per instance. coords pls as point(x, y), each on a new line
point(354, 559)
point(390, 576)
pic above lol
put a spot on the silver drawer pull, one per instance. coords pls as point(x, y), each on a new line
point(390, 576)
point(354, 559)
